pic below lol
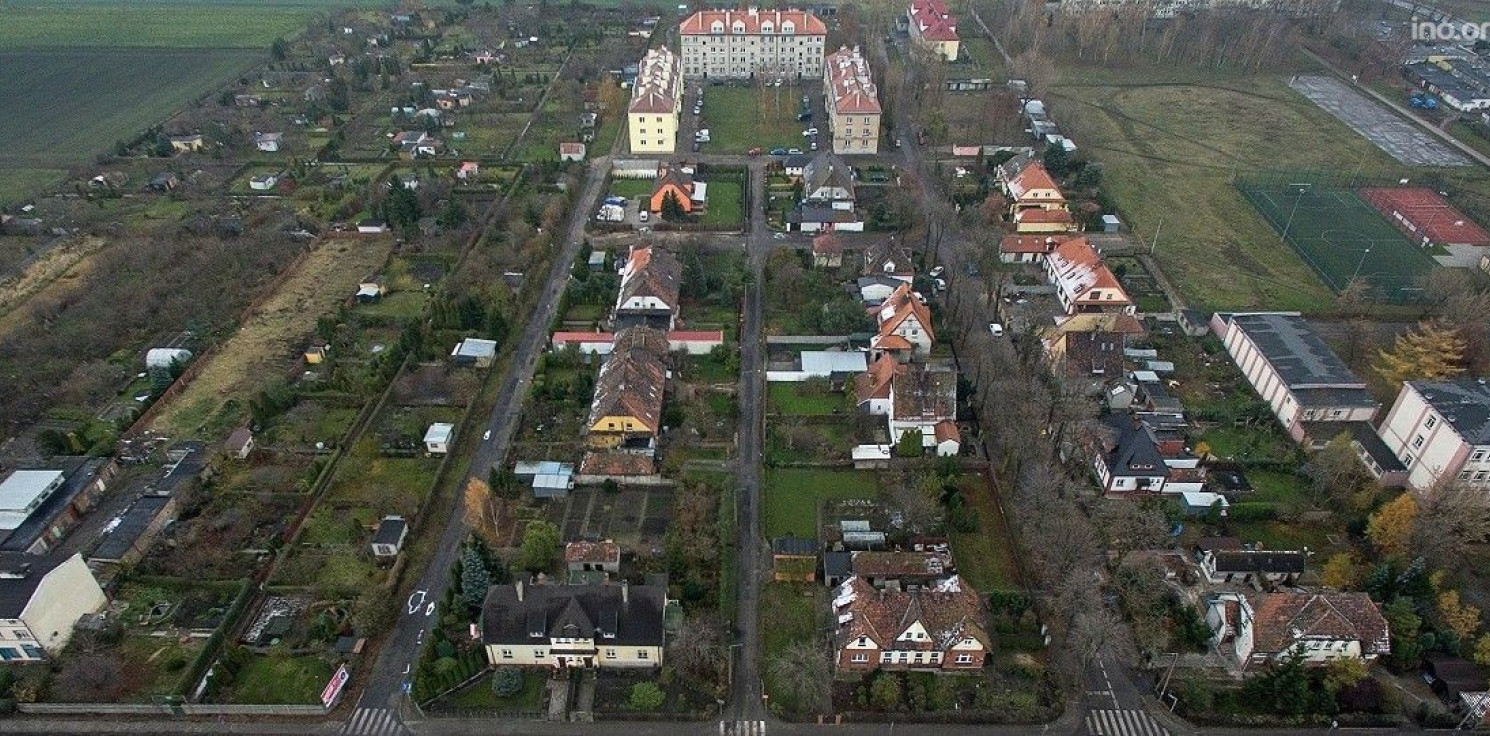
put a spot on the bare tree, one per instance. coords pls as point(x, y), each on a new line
point(698, 648)
point(804, 673)
point(1450, 518)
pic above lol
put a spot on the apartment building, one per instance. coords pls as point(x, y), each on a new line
point(741, 44)
point(933, 28)
point(851, 101)
point(1440, 430)
point(40, 602)
point(656, 101)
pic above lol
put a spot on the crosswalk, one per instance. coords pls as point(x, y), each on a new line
point(373, 722)
point(742, 728)
point(1123, 723)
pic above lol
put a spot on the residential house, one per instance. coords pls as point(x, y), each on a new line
point(412, 144)
point(812, 218)
point(474, 351)
point(1033, 188)
point(911, 398)
point(1017, 248)
point(1082, 282)
point(827, 251)
point(1128, 459)
point(240, 443)
point(1294, 370)
point(591, 625)
point(388, 539)
point(165, 181)
point(904, 329)
point(828, 182)
point(1035, 221)
point(1319, 627)
point(1440, 430)
point(872, 388)
point(794, 559)
point(627, 407)
point(268, 142)
point(743, 44)
point(1259, 567)
point(933, 28)
point(468, 171)
point(888, 258)
point(437, 439)
point(40, 603)
point(650, 282)
point(656, 102)
point(187, 143)
point(1093, 356)
point(942, 629)
point(852, 102)
point(263, 182)
point(678, 182)
point(571, 151)
point(794, 164)
point(593, 557)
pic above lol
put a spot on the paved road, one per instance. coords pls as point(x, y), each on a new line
point(746, 709)
point(383, 691)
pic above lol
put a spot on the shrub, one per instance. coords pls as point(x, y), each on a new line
point(507, 682)
point(647, 696)
point(885, 692)
point(1243, 513)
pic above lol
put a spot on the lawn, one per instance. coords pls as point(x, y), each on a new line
point(726, 204)
point(1247, 443)
point(742, 118)
point(164, 24)
point(479, 696)
point(793, 496)
point(400, 306)
point(279, 678)
point(18, 184)
point(984, 557)
point(66, 105)
point(631, 188)
point(792, 611)
point(807, 398)
point(1171, 139)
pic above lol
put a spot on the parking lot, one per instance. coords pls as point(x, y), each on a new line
point(1399, 138)
point(740, 117)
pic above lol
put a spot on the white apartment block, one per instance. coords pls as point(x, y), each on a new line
point(656, 102)
point(741, 44)
point(1440, 430)
point(851, 99)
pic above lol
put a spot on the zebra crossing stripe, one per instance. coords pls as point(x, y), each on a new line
point(742, 728)
point(372, 722)
point(1123, 722)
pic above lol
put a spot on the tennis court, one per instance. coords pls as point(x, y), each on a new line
point(1341, 236)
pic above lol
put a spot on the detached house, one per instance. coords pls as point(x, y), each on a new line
point(891, 260)
point(629, 391)
point(941, 629)
point(1082, 282)
point(904, 327)
point(1033, 188)
point(678, 182)
point(911, 397)
point(1320, 627)
point(592, 625)
point(649, 290)
point(1145, 453)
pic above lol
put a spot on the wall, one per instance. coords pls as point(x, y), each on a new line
point(64, 595)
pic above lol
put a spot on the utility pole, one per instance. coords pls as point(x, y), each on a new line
point(1155, 245)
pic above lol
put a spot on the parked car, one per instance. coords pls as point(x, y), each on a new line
point(935, 272)
point(813, 146)
point(778, 152)
point(794, 151)
point(643, 216)
point(809, 132)
point(996, 329)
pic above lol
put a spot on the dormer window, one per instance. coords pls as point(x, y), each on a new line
point(739, 28)
point(788, 28)
point(767, 27)
point(716, 28)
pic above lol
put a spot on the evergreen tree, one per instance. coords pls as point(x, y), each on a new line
point(672, 209)
point(474, 579)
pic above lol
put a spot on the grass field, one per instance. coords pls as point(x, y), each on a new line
point(742, 118)
point(1340, 236)
point(793, 495)
point(985, 557)
point(261, 348)
point(281, 679)
point(726, 204)
point(804, 399)
point(1170, 141)
point(65, 106)
point(215, 24)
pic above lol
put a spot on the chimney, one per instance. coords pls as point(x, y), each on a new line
point(625, 592)
point(519, 587)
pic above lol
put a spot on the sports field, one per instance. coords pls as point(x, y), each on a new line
point(65, 106)
point(1340, 236)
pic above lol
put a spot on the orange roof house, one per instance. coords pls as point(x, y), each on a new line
point(1033, 187)
point(677, 181)
point(1036, 221)
point(1082, 282)
point(904, 325)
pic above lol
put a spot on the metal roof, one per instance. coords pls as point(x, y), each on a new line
point(1296, 352)
point(1464, 404)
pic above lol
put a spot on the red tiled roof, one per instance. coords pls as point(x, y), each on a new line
point(592, 552)
point(632, 380)
point(1037, 216)
point(1284, 619)
point(875, 382)
point(658, 83)
point(1031, 177)
point(933, 22)
point(803, 22)
point(1079, 269)
point(852, 84)
point(699, 335)
point(901, 305)
point(827, 243)
point(949, 616)
point(1030, 243)
point(947, 430)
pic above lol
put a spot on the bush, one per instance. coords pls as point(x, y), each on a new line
point(647, 696)
point(507, 682)
point(1243, 513)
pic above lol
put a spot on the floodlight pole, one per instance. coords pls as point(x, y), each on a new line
point(1358, 266)
point(1289, 225)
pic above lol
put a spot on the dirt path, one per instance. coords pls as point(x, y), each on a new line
point(266, 344)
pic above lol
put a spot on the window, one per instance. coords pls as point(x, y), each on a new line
point(1479, 476)
point(1464, 475)
point(1476, 456)
point(641, 654)
point(1431, 423)
point(610, 654)
point(1417, 442)
point(539, 654)
point(506, 654)
point(861, 657)
point(31, 651)
point(1407, 459)
point(7, 654)
point(964, 659)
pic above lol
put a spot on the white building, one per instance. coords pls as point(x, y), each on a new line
point(1440, 430)
point(1320, 627)
point(25, 491)
point(437, 438)
point(593, 625)
point(1293, 370)
point(39, 606)
point(656, 101)
point(775, 44)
